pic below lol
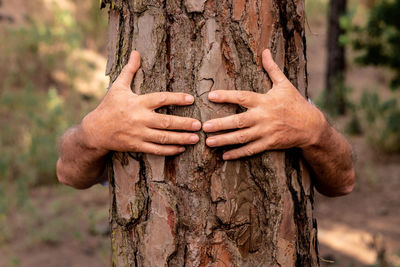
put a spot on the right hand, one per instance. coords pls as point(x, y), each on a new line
point(124, 121)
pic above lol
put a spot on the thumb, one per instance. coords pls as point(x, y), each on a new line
point(273, 70)
point(126, 76)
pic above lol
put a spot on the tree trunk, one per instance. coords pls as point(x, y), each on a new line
point(196, 209)
point(336, 62)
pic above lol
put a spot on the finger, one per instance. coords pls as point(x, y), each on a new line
point(274, 72)
point(170, 122)
point(237, 121)
point(245, 151)
point(171, 138)
point(161, 150)
point(160, 99)
point(126, 76)
point(233, 138)
point(244, 98)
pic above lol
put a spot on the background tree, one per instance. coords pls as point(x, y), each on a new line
point(335, 96)
point(197, 209)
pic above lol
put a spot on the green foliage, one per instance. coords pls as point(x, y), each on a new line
point(34, 120)
point(42, 61)
point(347, 24)
point(382, 121)
point(354, 127)
point(316, 8)
point(337, 102)
point(33, 109)
point(38, 48)
point(379, 39)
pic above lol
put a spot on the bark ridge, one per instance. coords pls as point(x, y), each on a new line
point(195, 209)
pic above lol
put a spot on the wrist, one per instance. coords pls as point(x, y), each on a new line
point(89, 136)
point(320, 132)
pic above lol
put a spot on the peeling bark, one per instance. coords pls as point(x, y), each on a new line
point(195, 209)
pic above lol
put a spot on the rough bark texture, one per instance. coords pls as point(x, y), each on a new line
point(195, 209)
point(336, 62)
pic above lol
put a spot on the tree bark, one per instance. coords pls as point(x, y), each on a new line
point(196, 209)
point(336, 61)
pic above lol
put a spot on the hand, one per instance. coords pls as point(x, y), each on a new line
point(125, 121)
point(279, 119)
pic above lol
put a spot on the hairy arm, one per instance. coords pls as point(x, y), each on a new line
point(79, 165)
point(123, 121)
point(282, 119)
point(331, 161)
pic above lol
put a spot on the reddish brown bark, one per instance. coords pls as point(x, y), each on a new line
point(195, 209)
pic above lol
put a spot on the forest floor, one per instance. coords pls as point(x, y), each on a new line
point(354, 229)
point(65, 227)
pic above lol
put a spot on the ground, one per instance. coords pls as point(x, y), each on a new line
point(66, 227)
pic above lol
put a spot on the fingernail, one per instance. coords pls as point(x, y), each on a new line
point(207, 126)
point(182, 149)
point(194, 139)
point(196, 125)
point(211, 142)
point(212, 95)
point(189, 99)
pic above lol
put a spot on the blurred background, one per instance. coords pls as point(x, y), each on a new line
point(52, 64)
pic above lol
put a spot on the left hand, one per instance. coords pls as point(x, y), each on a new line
point(280, 119)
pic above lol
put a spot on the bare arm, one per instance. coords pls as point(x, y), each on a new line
point(123, 121)
point(282, 119)
point(331, 161)
point(79, 165)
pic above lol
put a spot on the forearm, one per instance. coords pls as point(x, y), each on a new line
point(331, 162)
point(79, 165)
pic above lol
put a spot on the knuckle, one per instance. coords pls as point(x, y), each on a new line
point(270, 65)
point(131, 118)
point(163, 139)
point(134, 147)
point(249, 151)
point(157, 151)
point(275, 67)
point(116, 85)
point(242, 97)
point(242, 138)
point(239, 120)
point(273, 142)
point(136, 101)
point(161, 99)
point(166, 122)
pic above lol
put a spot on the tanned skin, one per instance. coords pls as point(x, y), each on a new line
point(279, 119)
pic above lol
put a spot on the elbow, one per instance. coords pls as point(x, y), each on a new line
point(62, 177)
point(344, 189)
point(349, 183)
point(61, 174)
